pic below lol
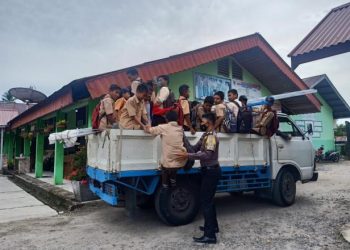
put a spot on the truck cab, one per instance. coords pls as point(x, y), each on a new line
point(123, 166)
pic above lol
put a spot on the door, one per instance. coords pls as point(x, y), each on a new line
point(293, 146)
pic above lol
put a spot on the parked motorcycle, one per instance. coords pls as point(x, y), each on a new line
point(330, 155)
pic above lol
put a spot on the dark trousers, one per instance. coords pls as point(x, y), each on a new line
point(210, 179)
point(169, 177)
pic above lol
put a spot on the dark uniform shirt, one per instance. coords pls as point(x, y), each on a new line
point(206, 150)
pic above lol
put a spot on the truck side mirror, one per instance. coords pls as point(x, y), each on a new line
point(309, 129)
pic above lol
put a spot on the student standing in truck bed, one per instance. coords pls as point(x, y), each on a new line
point(107, 115)
point(133, 114)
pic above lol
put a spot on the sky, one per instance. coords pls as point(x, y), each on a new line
point(47, 44)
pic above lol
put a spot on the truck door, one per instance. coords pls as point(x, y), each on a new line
point(293, 146)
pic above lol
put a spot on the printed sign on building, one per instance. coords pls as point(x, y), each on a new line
point(250, 90)
point(207, 85)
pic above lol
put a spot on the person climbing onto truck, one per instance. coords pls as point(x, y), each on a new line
point(107, 115)
point(133, 114)
point(172, 143)
point(265, 124)
point(207, 151)
point(134, 78)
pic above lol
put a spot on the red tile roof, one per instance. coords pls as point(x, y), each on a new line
point(333, 30)
point(252, 51)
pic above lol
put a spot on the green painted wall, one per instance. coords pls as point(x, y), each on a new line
point(326, 117)
point(186, 77)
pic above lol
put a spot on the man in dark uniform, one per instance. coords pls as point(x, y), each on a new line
point(207, 150)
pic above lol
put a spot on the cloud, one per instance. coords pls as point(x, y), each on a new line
point(50, 43)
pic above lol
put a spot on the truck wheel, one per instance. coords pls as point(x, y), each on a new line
point(178, 205)
point(284, 189)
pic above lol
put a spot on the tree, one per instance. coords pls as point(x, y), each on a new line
point(340, 130)
point(7, 97)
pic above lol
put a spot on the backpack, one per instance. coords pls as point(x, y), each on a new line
point(193, 115)
point(274, 125)
point(230, 121)
point(96, 117)
point(180, 112)
point(169, 102)
point(244, 119)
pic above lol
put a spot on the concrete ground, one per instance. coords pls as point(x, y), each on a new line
point(48, 178)
point(16, 204)
point(315, 221)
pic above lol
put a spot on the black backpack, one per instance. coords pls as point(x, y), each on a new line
point(170, 101)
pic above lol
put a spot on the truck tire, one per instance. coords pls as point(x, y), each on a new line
point(284, 188)
point(179, 205)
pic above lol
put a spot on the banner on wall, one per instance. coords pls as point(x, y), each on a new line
point(207, 85)
point(250, 90)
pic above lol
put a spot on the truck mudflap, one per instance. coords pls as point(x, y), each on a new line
point(108, 185)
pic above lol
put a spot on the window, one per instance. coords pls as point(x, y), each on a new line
point(223, 67)
point(237, 71)
point(81, 117)
point(287, 127)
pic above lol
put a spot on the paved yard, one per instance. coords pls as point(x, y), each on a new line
point(16, 204)
point(313, 222)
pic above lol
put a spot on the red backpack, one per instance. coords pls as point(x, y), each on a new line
point(96, 116)
point(180, 112)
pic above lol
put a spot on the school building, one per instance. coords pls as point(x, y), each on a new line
point(248, 64)
point(333, 107)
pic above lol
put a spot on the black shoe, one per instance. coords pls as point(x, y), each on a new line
point(216, 230)
point(205, 240)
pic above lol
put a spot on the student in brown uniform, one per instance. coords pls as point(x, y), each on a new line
point(264, 121)
point(207, 151)
point(134, 78)
point(133, 114)
point(172, 144)
point(202, 109)
point(119, 104)
point(219, 111)
point(184, 92)
point(107, 114)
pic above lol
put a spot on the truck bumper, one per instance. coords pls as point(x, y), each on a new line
point(314, 176)
point(106, 191)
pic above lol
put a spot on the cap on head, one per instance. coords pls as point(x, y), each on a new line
point(269, 100)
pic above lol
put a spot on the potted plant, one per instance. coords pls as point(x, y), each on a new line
point(30, 135)
point(61, 124)
point(47, 130)
point(23, 133)
point(79, 177)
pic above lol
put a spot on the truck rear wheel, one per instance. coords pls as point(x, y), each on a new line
point(284, 188)
point(178, 205)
